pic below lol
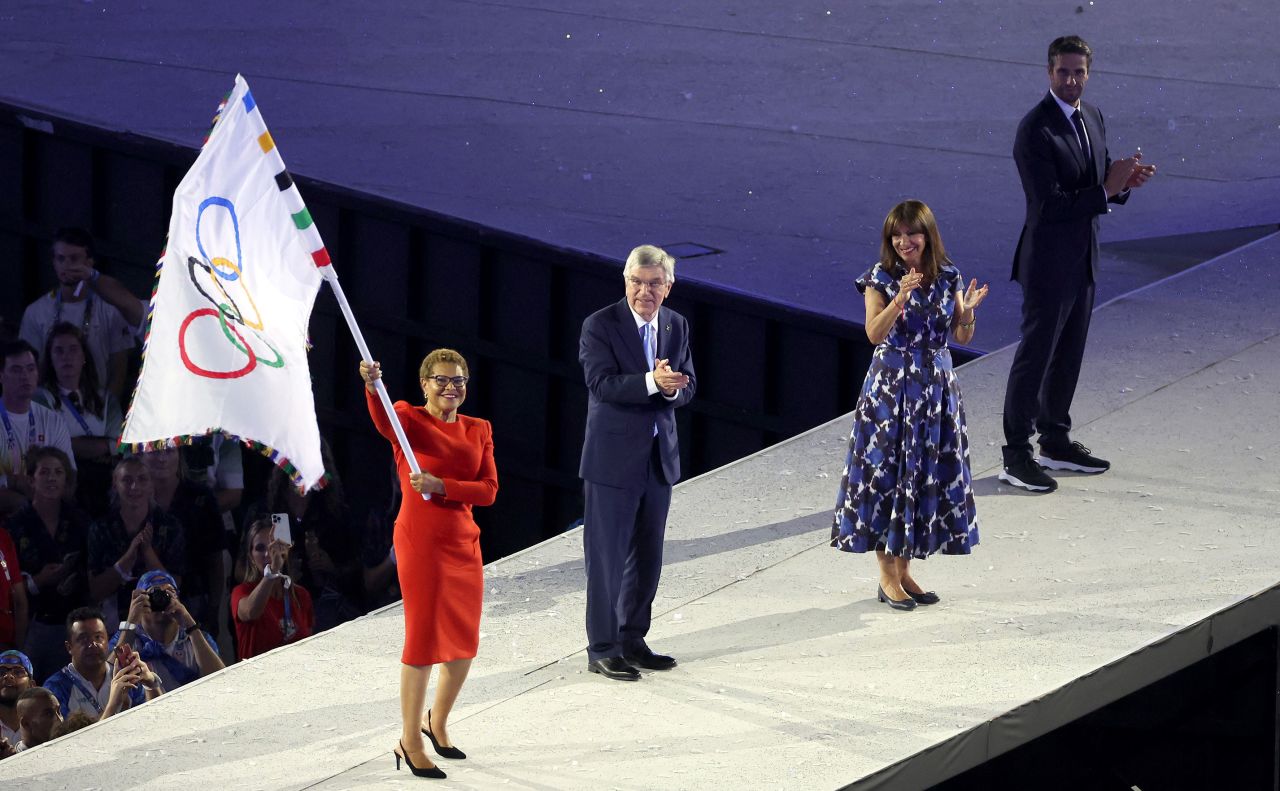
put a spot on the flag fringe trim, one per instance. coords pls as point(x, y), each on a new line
point(268, 452)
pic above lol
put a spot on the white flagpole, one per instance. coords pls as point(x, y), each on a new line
point(332, 277)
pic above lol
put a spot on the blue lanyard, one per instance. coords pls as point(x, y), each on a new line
point(84, 690)
point(14, 450)
point(75, 413)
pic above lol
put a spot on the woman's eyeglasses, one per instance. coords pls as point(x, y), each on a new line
point(444, 381)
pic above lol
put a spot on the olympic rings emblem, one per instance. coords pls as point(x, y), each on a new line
point(226, 310)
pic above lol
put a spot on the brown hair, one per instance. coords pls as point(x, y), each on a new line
point(918, 218)
point(42, 452)
point(442, 356)
point(93, 401)
point(1069, 45)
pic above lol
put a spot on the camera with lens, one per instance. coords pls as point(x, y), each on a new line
point(159, 598)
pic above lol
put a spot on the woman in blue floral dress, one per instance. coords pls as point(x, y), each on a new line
point(906, 490)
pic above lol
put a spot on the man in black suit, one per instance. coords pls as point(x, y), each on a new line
point(1069, 180)
point(635, 355)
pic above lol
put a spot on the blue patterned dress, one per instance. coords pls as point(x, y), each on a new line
point(906, 484)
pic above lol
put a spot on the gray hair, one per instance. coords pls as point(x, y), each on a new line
point(647, 255)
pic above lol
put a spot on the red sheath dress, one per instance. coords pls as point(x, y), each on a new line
point(437, 542)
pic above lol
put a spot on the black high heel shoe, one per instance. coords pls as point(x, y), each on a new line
point(426, 771)
point(443, 752)
point(906, 604)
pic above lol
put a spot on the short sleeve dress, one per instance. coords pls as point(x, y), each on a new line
point(906, 486)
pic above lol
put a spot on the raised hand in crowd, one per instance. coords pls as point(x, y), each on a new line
point(130, 673)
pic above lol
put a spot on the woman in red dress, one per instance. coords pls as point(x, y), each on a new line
point(437, 547)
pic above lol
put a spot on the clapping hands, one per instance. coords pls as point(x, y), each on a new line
point(667, 380)
point(909, 282)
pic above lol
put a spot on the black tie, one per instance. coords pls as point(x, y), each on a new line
point(1078, 120)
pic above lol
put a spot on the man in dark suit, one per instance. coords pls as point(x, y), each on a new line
point(1069, 180)
point(635, 355)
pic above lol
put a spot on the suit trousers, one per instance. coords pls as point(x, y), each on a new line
point(1046, 367)
point(622, 540)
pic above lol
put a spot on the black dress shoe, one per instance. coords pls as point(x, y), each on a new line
point(928, 597)
point(904, 604)
point(648, 660)
point(614, 667)
point(443, 752)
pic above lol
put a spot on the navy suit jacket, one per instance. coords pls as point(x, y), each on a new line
point(620, 412)
point(1059, 243)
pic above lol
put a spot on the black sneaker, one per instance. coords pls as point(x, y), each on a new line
point(1026, 474)
point(1071, 457)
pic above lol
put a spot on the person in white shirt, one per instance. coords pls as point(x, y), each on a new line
point(24, 424)
point(100, 305)
point(69, 386)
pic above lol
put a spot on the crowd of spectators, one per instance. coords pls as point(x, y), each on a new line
point(125, 576)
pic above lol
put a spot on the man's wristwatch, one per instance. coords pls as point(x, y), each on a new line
point(125, 626)
point(193, 628)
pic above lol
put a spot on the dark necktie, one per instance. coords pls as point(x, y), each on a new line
point(1078, 120)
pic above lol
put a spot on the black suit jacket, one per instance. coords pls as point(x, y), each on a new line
point(620, 412)
point(1059, 242)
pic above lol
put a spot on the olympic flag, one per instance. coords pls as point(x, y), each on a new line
point(225, 349)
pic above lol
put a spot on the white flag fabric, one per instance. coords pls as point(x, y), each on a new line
point(226, 347)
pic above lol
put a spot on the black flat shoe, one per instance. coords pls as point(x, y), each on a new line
point(905, 604)
point(928, 597)
point(443, 752)
point(614, 667)
point(648, 660)
point(434, 772)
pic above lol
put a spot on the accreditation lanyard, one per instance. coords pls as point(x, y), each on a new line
point(15, 451)
point(88, 309)
point(84, 690)
point(75, 413)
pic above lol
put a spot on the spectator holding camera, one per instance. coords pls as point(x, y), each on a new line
point(133, 538)
point(15, 678)
point(50, 534)
point(268, 608)
point(86, 683)
point(162, 632)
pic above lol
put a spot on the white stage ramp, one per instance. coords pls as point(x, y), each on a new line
point(791, 675)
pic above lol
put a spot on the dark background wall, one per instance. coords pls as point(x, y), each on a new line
point(418, 280)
